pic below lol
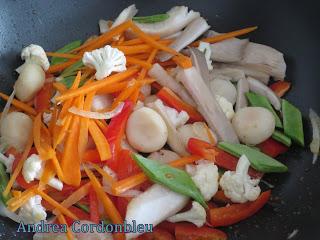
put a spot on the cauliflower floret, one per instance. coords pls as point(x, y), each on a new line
point(206, 49)
point(33, 169)
point(226, 106)
point(205, 175)
point(177, 118)
point(32, 211)
point(7, 161)
point(105, 60)
point(35, 54)
point(196, 215)
point(238, 186)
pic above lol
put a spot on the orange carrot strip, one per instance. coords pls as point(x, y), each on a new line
point(108, 205)
point(37, 138)
point(16, 193)
point(182, 61)
point(129, 50)
point(153, 43)
point(224, 36)
point(53, 120)
point(20, 105)
point(56, 164)
point(137, 41)
point(98, 84)
point(131, 86)
point(133, 61)
point(63, 130)
point(56, 205)
point(61, 66)
point(16, 203)
point(103, 173)
point(62, 55)
point(113, 88)
point(100, 141)
point(19, 166)
point(151, 57)
point(133, 181)
point(62, 220)
point(48, 173)
point(135, 95)
point(60, 87)
point(100, 124)
point(141, 56)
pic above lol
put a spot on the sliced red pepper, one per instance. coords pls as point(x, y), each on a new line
point(272, 147)
point(186, 231)
point(127, 166)
point(168, 226)
point(220, 157)
point(121, 204)
point(234, 213)
point(157, 234)
point(172, 100)
point(280, 87)
point(115, 132)
point(42, 100)
point(94, 206)
point(82, 215)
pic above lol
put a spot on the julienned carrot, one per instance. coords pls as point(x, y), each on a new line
point(130, 50)
point(19, 166)
point(133, 61)
point(48, 173)
point(37, 138)
point(100, 124)
point(62, 220)
point(137, 41)
point(151, 41)
point(100, 141)
point(133, 181)
point(225, 36)
point(135, 95)
point(95, 86)
point(61, 66)
point(126, 93)
point(172, 100)
point(141, 56)
point(55, 204)
point(60, 87)
point(151, 57)
point(15, 203)
point(63, 130)
point(20, 105)
point(113, 88)
point(182, 61)
point(63, 55)
point(108, 205)
point(103, 173)
point(75, 197)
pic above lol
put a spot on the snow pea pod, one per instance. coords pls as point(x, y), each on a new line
point(292, 121)
point(72, 70)
point(281, 137)
point(3, 183)
point(151, 19)
point(258, 100)
point(65, 49)
point(173, 178)
point(258, 160)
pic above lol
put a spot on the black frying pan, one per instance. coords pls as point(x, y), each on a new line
point(290, 26)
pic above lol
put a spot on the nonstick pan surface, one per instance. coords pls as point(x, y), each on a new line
point(289, 26)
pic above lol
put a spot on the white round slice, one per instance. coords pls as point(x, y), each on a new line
point(146, 131)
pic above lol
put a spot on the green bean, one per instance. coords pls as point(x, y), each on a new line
point(175, 179)
point(65, 49)
point(281, 137)
point(151, 19)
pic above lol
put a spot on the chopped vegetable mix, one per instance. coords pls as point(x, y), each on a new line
point(65, 49)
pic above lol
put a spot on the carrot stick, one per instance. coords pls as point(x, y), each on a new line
point(134, 61)
point(15, 203)
point(37, 137)
point(60, 87)
point(63, 131)
point(151, 41)
point(17, 170)
point(55, 204)
point(113, 88)
point(182, 61)
point(224, 36)
point(133, 181)
point(151, 57)
point(20, 105)
point(61, 66)
point(62, 220)
point(129, 50)
point(63, 55)
point(108, 205)
point(141, 56)
point(48, 173)
point(95, 86)
point(135, 95)
point(104, 174)
point(100, 141)
point(137, 41)
point(131, 86)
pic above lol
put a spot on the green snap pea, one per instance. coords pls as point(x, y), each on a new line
point(258, 160)
point(281, 137)
point(257, 100)
point(72, 70)
point(292, 121)
point(151, 19)
point(65, 49)
point(3, 183)
point(175, 179)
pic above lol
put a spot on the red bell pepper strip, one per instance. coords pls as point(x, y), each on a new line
point(43, 97)
point(186, 231)
point(115, 132)
point(220, 157)
point(94, 206)
point(272, 147)
point(121, 204)
point(128, 166)
point(168, 226)
point(280, 87)
point(172, 100)
point(82, 215)
point(157, 234)
point(234, 213)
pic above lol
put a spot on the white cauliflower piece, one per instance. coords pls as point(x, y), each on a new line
point(196, 215)
point(205, 175)
point(226, 106)
point(206, 49)
point(238, 186)
point(33, 168)
point(7, 161)
point(32, 211)
point(105, 60)
point(177, 118)
point(35, 54)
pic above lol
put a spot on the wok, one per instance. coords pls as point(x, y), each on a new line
point(289, 26)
